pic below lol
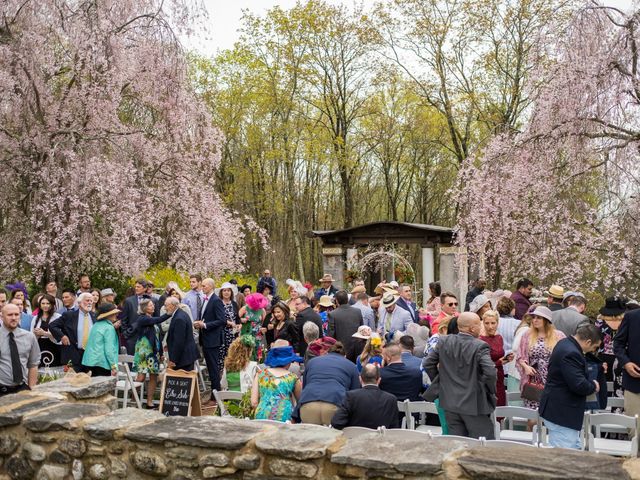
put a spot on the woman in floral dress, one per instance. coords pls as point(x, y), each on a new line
point(227, 293)
point(274, 387)
point(534, 351)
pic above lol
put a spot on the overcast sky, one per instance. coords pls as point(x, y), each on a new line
point(224, 19)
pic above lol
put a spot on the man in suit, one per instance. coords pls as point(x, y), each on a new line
point(568, 319)
point(462, 368)
point(305, 314)
point(407, 344)
point(130, 313)
point(182, 347)
point(626, 346)
point(193, 298)
point(392, 318)
point(72, 330)
point(211, 327)
point(405, 302)
point(368, 407)
point(563, 401)
point(327, 287)
point(344, 322)
point(402, 381)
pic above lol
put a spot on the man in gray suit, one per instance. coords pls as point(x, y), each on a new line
point(344, 322)
point(568, 319)
point(461, 366)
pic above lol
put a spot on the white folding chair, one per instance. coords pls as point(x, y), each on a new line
point(469, 441)
point(353, 432)
point(225, 395)
point(595, 422)
point(422, 408)
point(505, 429)
point(126, 383)
point(610, 388)
point(200, 369)
point(514, 397)
point(402, 408)
point(505, 443)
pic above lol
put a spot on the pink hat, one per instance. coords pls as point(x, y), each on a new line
point(256, 301)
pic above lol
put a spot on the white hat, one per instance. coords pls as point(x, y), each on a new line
point(478, 302)
point(389, 299)
point(230, 286)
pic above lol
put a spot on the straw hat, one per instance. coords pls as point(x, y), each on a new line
point(389, 299)
point(364, 332)
point(326, 301)
point(556, 291)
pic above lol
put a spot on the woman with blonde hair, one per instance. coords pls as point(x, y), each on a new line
point(372, 352)
point(490, 321)
point(239, 369)
point(534, 352)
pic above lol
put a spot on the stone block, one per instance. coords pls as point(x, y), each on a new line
point(181, 452)
point(208, 432)
point(99, 387)
point(247, 461)
point(215, 472)
point(34, 452)
point(19, 468)
point(65, 416)
point(217, 459)
point(402, 455)
point(107, 427)
point(8, 443)
point(77, 470)
point(22, 405)
point(44, 437)
point(98, 472)
point(57, 456)
point(118, 468)
point(149, 463)
point(76, 447)
point(519, 463)
point(292, 468)
point(299, 442)
point(52, 472)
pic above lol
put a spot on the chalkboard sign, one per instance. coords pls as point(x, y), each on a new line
point(180, 394)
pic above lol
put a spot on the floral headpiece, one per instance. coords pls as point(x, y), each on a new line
point(248, 341)
point(376, 341)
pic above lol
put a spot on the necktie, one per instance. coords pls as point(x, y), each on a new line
point(16, 366)
point(387, 323)
point(206, 299)
point(199, 305)
point(85, 331)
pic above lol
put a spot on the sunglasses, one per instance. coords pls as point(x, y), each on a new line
point(452, 304)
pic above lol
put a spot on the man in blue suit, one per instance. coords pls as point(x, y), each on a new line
point(72, 331)
point(405, 302)
point(211, 327)
point(182, 347)
point(563, 401)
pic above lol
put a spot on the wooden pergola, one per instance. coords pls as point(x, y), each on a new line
point(338, 245)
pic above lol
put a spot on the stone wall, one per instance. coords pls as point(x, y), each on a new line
point(60, 432)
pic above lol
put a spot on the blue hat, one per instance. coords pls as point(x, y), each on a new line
point(281, 356)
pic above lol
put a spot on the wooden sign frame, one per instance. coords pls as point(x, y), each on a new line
point(195, 408)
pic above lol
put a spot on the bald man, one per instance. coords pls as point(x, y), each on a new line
point(19, 354)
point(461, 366)
point(211, 327)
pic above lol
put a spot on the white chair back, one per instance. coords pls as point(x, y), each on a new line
point(221, 396)
point(597, 423)
point(353, 432)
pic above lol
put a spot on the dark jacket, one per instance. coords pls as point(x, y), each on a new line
point(144, 327)
point(343, 323)
point(307, 315)
point(180, 343)
point(402, 381)
point(626, 346)
point(471, 294)
point(565, 393)
point(130, 314)
point(465, 375)
point(368, 407)
point(215, 320)
point(67, 325)
point(328, 378)
point(413, 310)
point(289, 332)
point(321, 291)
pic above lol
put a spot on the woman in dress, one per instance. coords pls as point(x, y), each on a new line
point(608, 322)
point(434, 306)
point(513, 374)
point(284, 328)
point(372, 352)
point(40, 328)
point(227, 293)
point(101, 354)
point(273, 387)
point(252, 314)
point(239, 369)
point(490, 321)
point(146, 359)
point(536, 345)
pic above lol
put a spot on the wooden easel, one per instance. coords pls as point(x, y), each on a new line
point(175, 385)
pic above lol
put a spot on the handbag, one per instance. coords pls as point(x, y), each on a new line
point(532, 390)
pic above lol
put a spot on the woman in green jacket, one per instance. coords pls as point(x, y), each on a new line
point(101, 354)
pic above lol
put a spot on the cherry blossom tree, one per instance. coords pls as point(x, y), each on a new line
point(107, 154)
point(558, 201)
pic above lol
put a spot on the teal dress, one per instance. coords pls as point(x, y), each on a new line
point(275, 396)
point(102, 346)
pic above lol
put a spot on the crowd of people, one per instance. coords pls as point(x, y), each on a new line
point(342, 357)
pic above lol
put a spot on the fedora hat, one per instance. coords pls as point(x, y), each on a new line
point(327, 277)
point(478, 302)
point(389, 299)
point(107, 291)
point(364, 332)
point(543, 312)
point(613, 306)
point(556, 291)
point(358, 289)
point(106, 310)
point(326, 301)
